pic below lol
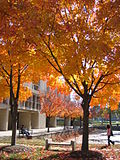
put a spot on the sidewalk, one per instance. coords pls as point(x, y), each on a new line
point(35, 132)
point(99, 137)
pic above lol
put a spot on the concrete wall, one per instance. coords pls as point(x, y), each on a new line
point(43, 86)
point(42, 121)
point(4, 113)
point(38, 120)
point(25, 119)
point(30, 120)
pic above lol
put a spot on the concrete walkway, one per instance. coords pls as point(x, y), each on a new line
point(35, 132)
point(96, 137)
point(99, 137)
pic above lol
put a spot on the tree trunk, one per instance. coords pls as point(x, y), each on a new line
point(48, 124)
point(102, 121)
point(110, 117)
point(14, 102)
point(85, 146)
point(14, 125)
point(110, 121)
point(64, 122)
point(73, 123)
point(80, 122)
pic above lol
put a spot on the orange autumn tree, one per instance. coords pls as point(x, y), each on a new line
point(75, 111)
point(50, 104)
point(66, 110)
point(58, 82)
point(17, 64)
point(77, 44)
point(69, 109)
point(13, 75)
point(109, 99)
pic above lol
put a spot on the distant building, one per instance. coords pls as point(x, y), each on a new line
point(28, 111)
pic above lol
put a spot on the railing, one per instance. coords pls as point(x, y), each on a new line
point(30, 105)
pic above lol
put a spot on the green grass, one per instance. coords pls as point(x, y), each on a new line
point(34, 141)
point(99, 123)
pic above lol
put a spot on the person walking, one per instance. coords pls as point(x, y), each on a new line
point(109, 134)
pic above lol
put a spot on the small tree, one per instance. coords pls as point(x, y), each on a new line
point(109, 100)
point(80, 45)
point(65, 110)
point(51, 104)
point(17, 64)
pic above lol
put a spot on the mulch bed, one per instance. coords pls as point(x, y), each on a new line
point(90, 154)
point(15, 149)
point(77, 155)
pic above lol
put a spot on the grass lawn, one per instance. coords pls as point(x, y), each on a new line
point(33, 149)
point(24, 141)
point(99, 123)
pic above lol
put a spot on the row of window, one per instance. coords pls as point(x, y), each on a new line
point(32, 102)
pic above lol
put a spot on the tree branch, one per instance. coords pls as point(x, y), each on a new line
point(100, 88)
point(71, 85)
point(18, 84)
point(75, 83)
point(11, 89)
point(5, 78)
point(112, 83)
point(24, 68)
point(98, 82)
point(93, 79)
point(5, 70)
point(53, 65)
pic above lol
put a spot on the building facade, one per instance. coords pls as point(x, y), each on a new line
point(28, 112)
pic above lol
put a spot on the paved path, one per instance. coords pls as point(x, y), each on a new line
point(96, 137)
point(35, 132)
point(99, 137)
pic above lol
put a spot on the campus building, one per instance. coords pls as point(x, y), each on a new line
point(28, 112)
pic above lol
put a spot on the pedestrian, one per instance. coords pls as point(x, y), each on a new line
point(109, 134)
